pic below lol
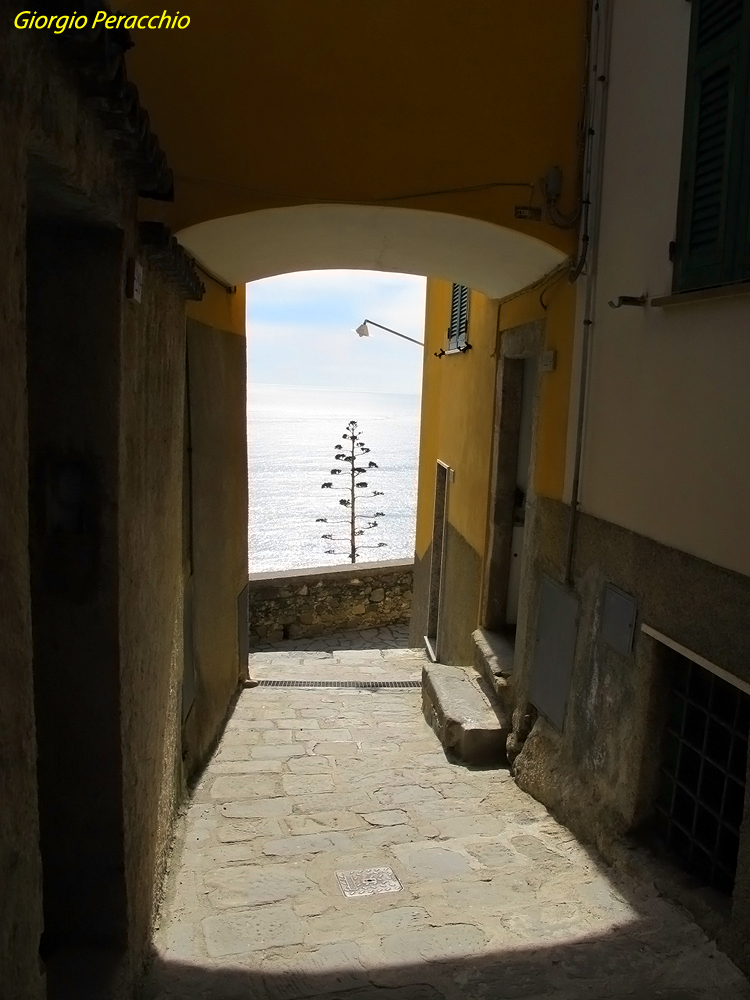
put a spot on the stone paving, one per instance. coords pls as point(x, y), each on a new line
point(498, 901)
point(385, 637)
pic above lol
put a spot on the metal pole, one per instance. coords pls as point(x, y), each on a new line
point(402, 335)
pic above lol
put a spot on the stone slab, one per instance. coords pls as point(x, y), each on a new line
point(271, 926)
point(311, 844)
point(461, 715)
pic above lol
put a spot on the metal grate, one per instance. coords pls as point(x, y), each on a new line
point(368, 882)
point(369, 685)
point(701, 799)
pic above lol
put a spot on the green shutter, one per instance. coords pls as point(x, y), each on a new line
point(712, 195)
point(455, 312)
point(463, 316)
point(458, 331)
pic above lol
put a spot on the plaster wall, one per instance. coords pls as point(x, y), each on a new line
point(439, 67)
point(152, 382)
point(460, 402)
point(458, 393)
point(668, 416)
point(458, 398)
point(218, 462)
point(108, 382)
point(20, 862)
point(598, 775)
point(41, 117)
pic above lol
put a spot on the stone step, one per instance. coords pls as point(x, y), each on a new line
point(462, 715)
point(494, 655)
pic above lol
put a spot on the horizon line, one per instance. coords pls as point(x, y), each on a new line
point(332, 388)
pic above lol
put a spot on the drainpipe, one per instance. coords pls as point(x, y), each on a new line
point(601, 32)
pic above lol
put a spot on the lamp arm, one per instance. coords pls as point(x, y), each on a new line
point(402, 335)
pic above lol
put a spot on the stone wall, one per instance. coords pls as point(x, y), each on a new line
point(599, 775)
point(305, 603)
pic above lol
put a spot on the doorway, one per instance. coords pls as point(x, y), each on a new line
point(443, 476)
point(512, 476)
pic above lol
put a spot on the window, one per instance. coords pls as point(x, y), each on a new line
point(701, 797)
point(458, 331)
point(713, 230)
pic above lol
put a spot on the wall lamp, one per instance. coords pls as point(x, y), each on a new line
point(628, 300)
point(362, 331)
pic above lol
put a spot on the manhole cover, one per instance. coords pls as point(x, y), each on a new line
point(368, 881)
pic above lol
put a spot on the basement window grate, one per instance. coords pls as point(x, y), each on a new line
point(368, 685)
point(701, 798)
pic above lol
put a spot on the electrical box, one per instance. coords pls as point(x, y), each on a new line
point(548, 361)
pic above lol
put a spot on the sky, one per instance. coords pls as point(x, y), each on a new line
point(300, 330)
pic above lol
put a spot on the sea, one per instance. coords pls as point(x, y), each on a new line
point(292, 434)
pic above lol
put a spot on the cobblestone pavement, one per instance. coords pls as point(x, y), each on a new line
point(498, 901)
point(390, 637)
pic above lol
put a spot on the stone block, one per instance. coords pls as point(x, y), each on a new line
point(377, 595)
point(268, 927)
point(307, 618)
point(461, 715)
point(315, 843)
point(358, 609)
point(244, 786)
point(257, 809)
point(252, 885)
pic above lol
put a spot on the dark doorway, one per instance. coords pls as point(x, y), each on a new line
point(74, 288)
point(512, 489)
point(440, 515)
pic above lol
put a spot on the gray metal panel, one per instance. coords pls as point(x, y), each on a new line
point(618, 619)
point(554, 652)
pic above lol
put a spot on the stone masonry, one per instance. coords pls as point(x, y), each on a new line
point(494, 898)
point(314, 602)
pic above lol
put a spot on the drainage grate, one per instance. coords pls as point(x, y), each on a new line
point(368, 882)
point(701, 800)
point(338, 684)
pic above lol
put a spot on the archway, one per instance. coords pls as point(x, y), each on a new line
point(490, 258)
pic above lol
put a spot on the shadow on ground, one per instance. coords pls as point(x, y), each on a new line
point(614, 967)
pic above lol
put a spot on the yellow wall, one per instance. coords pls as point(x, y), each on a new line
point(458, 404)
point(219, 308)
point(554, 390)
point(260, 104)
point(457, 417)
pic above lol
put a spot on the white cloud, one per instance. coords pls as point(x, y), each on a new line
point(299, 329)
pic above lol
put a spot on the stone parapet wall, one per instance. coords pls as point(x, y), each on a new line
point(311, 602)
